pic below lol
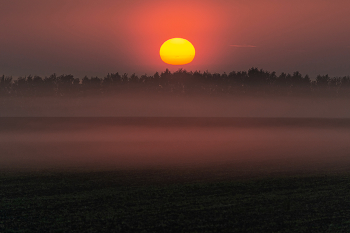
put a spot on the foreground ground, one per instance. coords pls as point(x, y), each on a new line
point(173, 201)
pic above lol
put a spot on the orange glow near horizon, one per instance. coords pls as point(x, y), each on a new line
point(177, 51)
point(97, 37)
point(201, 24)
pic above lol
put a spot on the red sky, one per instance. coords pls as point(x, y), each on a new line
point(85, 37)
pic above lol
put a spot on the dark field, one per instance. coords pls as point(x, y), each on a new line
point(170, 201)
point(174, 175)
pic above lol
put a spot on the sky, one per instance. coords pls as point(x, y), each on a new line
point(94, 38)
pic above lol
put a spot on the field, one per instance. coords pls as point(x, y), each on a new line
point(174, 175)
point(173, 201)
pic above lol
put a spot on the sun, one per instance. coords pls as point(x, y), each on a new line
point(177, 51)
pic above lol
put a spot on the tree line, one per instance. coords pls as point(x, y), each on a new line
point(252, 81)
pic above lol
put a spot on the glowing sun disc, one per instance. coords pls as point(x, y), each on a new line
point(177, 51)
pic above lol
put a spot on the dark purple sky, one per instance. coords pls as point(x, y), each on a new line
point(84, 37)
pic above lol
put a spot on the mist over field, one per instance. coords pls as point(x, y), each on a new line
point(240, 146)
point(251, 122)
point(162, 105)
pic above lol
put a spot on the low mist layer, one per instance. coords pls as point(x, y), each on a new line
point(157, 105)
point(246, 145)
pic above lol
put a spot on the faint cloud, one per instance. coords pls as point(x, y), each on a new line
point(242, 46)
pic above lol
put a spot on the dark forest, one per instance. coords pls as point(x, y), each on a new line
point(254, 81)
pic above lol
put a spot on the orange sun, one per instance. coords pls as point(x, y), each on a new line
point(177, 51)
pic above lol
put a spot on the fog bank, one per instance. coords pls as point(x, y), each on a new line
point(246, 145)
point(124, 105)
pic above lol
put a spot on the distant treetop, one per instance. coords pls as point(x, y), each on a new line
point(253, 81)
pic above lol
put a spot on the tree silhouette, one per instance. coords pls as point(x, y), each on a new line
point(134, 78)
point(345, 81)
point(254, 81)
point(50, 85)
point(91, 86)
point(65, 85)
point(257, 77)
point(322, 81)
point(5, 85)
point(20, 86)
